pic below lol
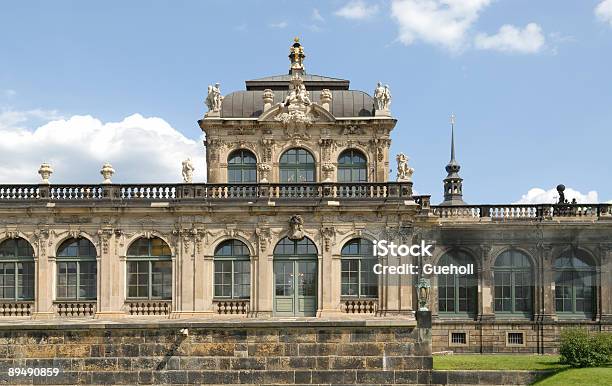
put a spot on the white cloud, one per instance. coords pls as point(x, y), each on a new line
point(551, 196)
point(279, 25)
point(603, 11)
point(316, 15)
point(357, 10)
point(140, 149)
point(440, 22)
point(528, 40)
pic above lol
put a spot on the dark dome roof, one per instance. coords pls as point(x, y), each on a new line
point(345, 103)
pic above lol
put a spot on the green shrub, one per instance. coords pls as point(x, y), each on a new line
point(581, 349)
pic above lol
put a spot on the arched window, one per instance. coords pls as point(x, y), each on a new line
point(149, 269)
point(575, 284)
point(297, 165)
point(232, 270)
point(457, 292)
point(295, 277)
point(76, 270)
point(358, 278)
point(16, 270)
point(352, 166)
point(512, 275)
point(241, 167)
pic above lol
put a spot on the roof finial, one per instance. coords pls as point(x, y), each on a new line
point(296, 56)
point(452, 121)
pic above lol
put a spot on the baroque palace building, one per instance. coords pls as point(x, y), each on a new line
point(298, 189)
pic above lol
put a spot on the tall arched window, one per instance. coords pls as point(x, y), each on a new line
point(149, 269)
point(575, 284)
point(241, 167)
point(295, 277)
point(232, 270)
point(456, 292)
point(76, 270)
point(512, 275)
point(16, 270)
point(297, 165)
point(352, 166)
point(358, 278)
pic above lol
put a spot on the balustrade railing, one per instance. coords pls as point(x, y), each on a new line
point(360, 306)
point(16, 309)
point(175, 192)
point(231, 307)
point(517, 211)
point(149, 307)
point(75, 309)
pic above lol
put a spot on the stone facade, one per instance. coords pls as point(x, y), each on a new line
point(337, 201)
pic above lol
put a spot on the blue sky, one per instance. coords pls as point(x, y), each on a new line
point(533, 99)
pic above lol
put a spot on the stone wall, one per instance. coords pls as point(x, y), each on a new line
point(490, 337)
point(218, 353)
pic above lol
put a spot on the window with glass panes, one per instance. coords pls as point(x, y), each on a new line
point(232, 270)
point(575, 284)
point(513, 280)
point(16, 270)
point(149, 269)
point(241, 167)
point(352, 166)
point(357, 275)
point(76, 270)
point(297, 165)
point(456, 293)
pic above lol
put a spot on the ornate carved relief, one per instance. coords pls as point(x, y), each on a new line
point(296, 227)
point(329, 235)
point(264, 237)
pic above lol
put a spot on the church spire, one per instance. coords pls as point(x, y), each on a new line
point(296, 56)
point(453, 184)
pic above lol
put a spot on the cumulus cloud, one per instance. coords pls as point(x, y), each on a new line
point(441, 22)
point(140, 149)
point(279, 25)
point(551, 196)
point(357, 10)
point(603, 11)
point(528, 40)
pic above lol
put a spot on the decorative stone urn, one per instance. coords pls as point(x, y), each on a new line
point(45, 172)
point(107, 172)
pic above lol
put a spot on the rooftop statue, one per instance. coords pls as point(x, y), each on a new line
point(404, 172)
point(214, 99)
point(382, 99)
point(188, 171)
point(297, 103)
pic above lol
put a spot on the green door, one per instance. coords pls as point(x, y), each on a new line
point(295, 292)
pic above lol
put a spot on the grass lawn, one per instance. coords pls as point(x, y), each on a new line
point(497, 362)
point(579, 377)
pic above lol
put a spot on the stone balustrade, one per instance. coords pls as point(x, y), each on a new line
point(16, 309)
point(176, 192)
point(71, 309)
point(516, 211)
point(148, 307)
point(360, 306)
point(231, 307)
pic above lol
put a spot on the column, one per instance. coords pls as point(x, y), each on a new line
point(486, 307)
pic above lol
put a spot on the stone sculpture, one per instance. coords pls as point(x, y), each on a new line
point(107, 172)
point(214, 99)
point(45, 172)
point(296, 227)
point(188, 171)
point(382, 98)
point(404, 172)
